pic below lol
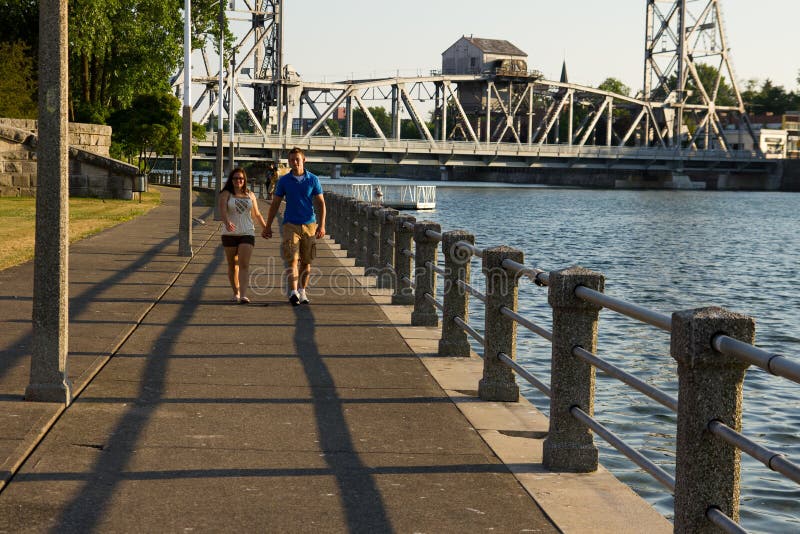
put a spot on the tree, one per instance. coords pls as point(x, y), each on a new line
point(769, 98)
point(20, 22)
point(150, 127)
point(17, 82)
point(613, 85)
point(362, 126)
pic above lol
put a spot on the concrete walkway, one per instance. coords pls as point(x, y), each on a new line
point(197, 414)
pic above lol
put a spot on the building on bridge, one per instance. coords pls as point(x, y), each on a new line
point(506, 66)
point(774, 140)
point(474, 55)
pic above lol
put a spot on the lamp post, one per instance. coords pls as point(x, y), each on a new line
point(232, 107)
point(185, 221)
point(50, 317)
point(218, 185)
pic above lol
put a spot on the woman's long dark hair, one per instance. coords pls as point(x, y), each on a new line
point(229, 183)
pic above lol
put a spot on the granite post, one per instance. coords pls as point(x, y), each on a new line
point(457, 266)
point(500, 332)
point(386, 277)
point(373, 241)
point(403, 293)
point(707, 469)
point(569, 445)
point(353, 234)
point(48, 378)
point(426, 248)
point(363, 235)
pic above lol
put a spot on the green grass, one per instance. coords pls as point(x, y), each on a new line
point(87, 216)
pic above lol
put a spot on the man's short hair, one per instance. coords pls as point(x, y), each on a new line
point(297, 150)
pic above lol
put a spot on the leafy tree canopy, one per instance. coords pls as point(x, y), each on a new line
point(614, 85)
point(147, 129)
point(17, 82)
point(769, 98)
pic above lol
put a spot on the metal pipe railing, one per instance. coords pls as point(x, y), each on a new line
point(773, 460)
point(772, 363)
point(633, 311)
point(530, 325)
point(637, 384)
point(632, 454)
point(472, 291)
point(430, 298)
point(524, 373)
point(469, 330)
point(732, 341)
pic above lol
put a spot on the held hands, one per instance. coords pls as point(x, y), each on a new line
point(230, 226)
point(267, 232)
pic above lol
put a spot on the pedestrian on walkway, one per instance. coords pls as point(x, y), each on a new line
point(300, 229)
point(239, 208)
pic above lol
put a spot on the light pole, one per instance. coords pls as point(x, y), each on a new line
point(50, 317)
point(218, 185)
point(232, 107)
point(185, 217)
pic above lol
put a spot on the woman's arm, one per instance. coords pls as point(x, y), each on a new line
point(223, 211)
point(255, 213)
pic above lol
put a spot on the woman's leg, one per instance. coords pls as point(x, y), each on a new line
point(233, 270)
point(245, 252)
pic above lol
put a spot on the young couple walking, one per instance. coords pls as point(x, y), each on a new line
point(239, 209)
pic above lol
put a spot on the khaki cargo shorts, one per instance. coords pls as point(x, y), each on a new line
point(298, 241)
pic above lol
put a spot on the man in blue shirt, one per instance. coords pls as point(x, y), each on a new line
point(300, 228)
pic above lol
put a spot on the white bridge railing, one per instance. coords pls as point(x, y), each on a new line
point(407, 196)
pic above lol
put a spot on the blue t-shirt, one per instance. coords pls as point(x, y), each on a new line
point(299, 194)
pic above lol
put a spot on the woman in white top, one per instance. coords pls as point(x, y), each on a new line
point(238, 207)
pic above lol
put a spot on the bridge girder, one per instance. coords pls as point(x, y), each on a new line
point(496, 108)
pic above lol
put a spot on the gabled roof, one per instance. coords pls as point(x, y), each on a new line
point(496, 46)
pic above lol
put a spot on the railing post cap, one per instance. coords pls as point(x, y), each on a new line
point(400, 221)
point(693, 331)
point(421, 227)
point(563, 282)
point(493, 257)
point(458, 235)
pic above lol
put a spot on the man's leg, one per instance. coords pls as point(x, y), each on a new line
point(292, 275)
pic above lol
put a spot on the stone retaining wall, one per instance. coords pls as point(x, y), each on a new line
point(91, 171)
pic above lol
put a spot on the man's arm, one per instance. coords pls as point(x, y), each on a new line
point(319, 202)
point(273, 211)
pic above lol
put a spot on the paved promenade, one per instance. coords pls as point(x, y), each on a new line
point(194, 414)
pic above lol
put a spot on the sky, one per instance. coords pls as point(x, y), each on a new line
point(332, 40)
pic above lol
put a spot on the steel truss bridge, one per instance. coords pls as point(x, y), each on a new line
point(680, 121)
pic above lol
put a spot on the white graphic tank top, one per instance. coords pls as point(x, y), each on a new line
point(239, 214)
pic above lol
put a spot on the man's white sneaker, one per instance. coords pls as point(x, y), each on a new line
point(294, 298)
point(303, 296)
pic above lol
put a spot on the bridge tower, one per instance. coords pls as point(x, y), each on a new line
point(687, 67)
point(267, 27)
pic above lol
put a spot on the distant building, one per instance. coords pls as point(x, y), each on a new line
point(791, 123)
point(474, 55)
point(771, 141)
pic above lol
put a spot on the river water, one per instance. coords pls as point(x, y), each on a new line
point(666, 251)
